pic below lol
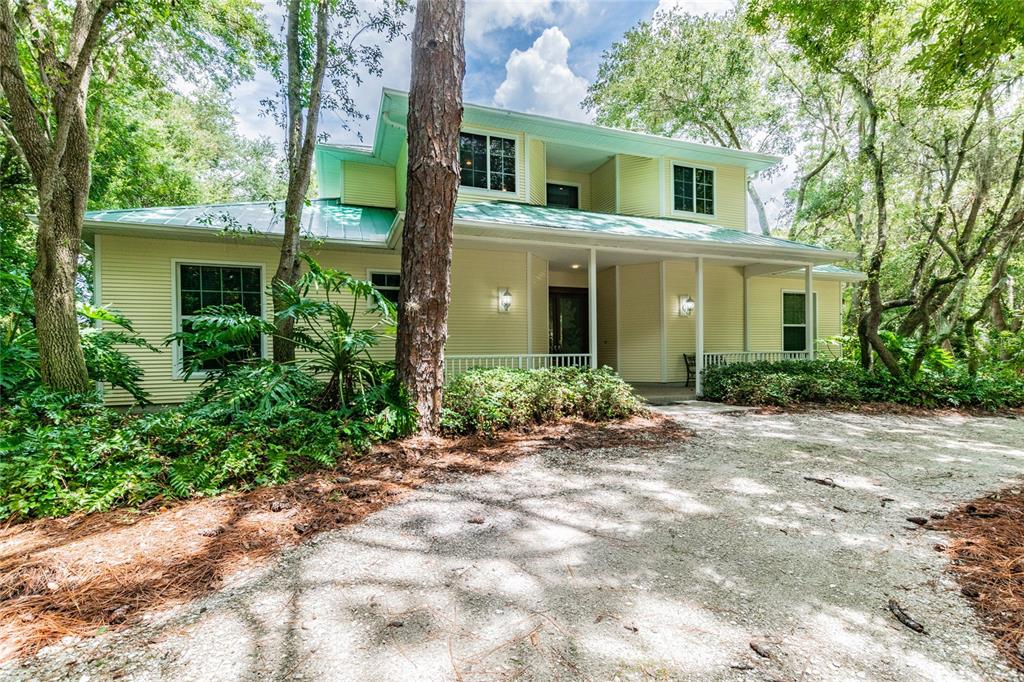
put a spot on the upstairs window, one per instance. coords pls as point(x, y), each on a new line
point(563, 196)
point(693, 190)
point(487, 162)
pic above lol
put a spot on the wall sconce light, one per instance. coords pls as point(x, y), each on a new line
point(686, 305)
point(504, 300)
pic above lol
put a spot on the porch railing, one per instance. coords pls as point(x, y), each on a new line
point(458, 364)
point(716, 359)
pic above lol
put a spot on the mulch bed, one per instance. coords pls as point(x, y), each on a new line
point(87, 573)
point(986, 553)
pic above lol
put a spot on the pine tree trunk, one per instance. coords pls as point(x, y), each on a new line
point(435, 115)
point(288, 269)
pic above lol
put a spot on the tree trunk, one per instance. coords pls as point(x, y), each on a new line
point(302, 135)
point(58, 244)
point(435, 115)
point(762, 217)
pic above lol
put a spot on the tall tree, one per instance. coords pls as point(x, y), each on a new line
point(703, 76)
point(435, 116)
point(323, 58)
point(56, 61)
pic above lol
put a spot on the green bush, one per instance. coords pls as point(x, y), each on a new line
point(836, 381)
point(487, 400)
point(61, 454)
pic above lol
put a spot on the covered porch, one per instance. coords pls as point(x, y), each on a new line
point(660, 319)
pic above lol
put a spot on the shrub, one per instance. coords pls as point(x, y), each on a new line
point(836, 381)
point(487, 400)
point(61, 453)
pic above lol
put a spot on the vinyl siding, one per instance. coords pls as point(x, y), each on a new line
point(560, 175)
point(401, 176)
point(136, 279)
point(639, 322)
point(638, 186)
point(766, 310)
point(328, 173)
point(730, 194)
point(602, 188)
point(607, 323)
point(472, 194)
point(537, 161)
point(540, 339)
point(365, 184)
point(568, 278)
point(680, 331)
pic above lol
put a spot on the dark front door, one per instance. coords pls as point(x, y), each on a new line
point(569, 326)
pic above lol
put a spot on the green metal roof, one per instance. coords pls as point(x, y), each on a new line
point(393, 114)
point(508, 213)
point(323, 219)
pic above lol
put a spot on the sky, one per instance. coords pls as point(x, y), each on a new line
point(535, 56)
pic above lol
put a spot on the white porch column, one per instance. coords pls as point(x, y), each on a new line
point(746, 313)
point(592, 305)
point(699, 355)
point(809, 310)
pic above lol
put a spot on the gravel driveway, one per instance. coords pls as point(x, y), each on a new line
point(618, 564)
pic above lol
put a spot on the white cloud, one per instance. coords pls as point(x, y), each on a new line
point(486, 16)
point(540, 81)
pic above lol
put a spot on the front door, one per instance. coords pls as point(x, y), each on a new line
point(569, 328)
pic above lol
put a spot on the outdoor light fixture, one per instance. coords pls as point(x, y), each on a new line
point(504, 300)
point(686, 305)
point(575, 266)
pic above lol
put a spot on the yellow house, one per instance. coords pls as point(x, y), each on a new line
point(574, 244)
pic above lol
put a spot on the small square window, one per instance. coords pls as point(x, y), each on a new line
point(387, 283)
point(693, 190)
point(487, 162)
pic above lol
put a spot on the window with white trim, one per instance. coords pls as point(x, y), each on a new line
point(387, 283)
point(487, 162)
point(201, 285)
point(693, 190)
point(794, 321)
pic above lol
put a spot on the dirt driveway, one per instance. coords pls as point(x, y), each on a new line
point(618, 564)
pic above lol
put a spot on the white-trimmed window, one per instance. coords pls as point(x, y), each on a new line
point(387, 283)
point(200, 285)
point(487, 162)
point(794, 320)
point(693, 189)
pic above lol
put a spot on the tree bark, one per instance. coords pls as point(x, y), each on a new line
point(762, 217)
point(435, 116)
point(302, 134)
point(56, 150)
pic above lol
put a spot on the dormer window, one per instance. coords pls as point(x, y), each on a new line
point(693, 190)
point(487, 162)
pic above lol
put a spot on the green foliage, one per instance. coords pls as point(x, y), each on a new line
point(837, 381)
point(487, 400)
point(61, 454)
point(104, 357)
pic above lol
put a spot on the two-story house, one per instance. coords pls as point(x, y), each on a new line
point(574, 244)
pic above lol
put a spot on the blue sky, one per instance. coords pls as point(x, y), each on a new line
point(536, 56)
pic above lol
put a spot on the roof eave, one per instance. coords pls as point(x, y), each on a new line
point(94, 227)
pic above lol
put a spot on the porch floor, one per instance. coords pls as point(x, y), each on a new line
point(664, 394)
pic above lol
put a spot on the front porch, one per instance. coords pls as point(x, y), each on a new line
point(658, 320)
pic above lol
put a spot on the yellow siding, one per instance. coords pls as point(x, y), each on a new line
point(560, 175)
point(538, 163)
point(730, 194)
point(136, 279)
point(766, 310)
point(607, 322)
point(680, 331)
point(602, 188)
point(640, 322)
point(568, 278)
point(638, 186)
point(474, 324)
point(540, 340)
point(473, 194)
point(401, 176)
point(365, 184)
point(723, 308)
